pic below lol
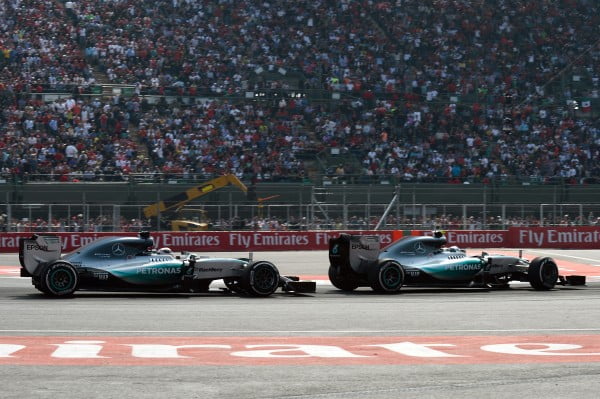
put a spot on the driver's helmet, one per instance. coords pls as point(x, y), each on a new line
point(439, 233)
point(165, 250)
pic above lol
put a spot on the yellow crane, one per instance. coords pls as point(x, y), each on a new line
point(174, 206)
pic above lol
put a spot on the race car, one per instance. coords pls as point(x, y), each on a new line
point(358, 261)
point(132, 264)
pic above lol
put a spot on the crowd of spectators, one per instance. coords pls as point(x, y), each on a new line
point(69, 140)
point(86, 139)
point(406, 47)
point(77, 223)
point(38, 49)
point(450, 90)
point(226, 45)
point(251, 140)
point(469, 144)
point(103, 223)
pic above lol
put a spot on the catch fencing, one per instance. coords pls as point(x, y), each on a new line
point(310, 216)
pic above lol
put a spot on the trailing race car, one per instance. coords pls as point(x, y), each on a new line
point(131, 264)
point(357, 261)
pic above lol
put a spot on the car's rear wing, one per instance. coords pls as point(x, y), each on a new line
point(354, 251)
point(37, 250)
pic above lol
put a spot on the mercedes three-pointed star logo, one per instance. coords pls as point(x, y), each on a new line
point(118, 249)
point(420, 248)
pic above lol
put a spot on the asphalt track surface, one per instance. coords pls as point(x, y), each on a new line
point(433, 343)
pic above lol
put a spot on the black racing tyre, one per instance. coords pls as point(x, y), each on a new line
point(387, 277)
point(342, 282)
point(59, 279)
point(260, 279)
point(543, 273)
point(38, 285)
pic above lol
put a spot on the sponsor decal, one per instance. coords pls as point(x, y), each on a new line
point(419, 248)
point(469, 238)
point(118, 249)
point(177, 240)
point(463, 268)
point(160, 258)
point(208, 269)
point(516, 237)
point(412, 272)
point(8, 240)
point(100, 275)
point(36, 247)
point(563, 237)
point(361, 246)
point(240, 351)
point(158, 270)
point(101, 255)
point(73, 241)
point(335, 250)
point(268, 240)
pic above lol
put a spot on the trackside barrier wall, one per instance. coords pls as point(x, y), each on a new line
point(516, 237)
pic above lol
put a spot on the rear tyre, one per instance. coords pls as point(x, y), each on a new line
point(261, 279)
point(58, 279)
point(543, 274)
point(341, 282)
point(386, 278)
point(38, 285)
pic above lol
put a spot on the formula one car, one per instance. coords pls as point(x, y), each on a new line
point(357, 261)
point(131, 264)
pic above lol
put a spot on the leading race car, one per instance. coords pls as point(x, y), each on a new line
point(357, 261)
point(131, 264)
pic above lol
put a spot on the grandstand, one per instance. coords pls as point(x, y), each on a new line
point(318, 93)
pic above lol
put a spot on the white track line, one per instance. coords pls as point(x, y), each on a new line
point(513, 330)
point(565, 256)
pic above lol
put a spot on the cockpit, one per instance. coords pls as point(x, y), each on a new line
point(416, 246)
point(114, 247)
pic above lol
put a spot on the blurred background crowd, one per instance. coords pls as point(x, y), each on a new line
point(446, 90)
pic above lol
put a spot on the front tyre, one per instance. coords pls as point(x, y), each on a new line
point(386, 278)
point(59, 279)
point(261, 279)
point(543, 274)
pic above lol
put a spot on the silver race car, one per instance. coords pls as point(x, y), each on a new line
point(357, 261)
point(131, 264)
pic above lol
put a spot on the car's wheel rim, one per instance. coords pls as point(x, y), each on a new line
point(264, 279)
point(61, 280)
point(391, 277)
point(549, 273)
